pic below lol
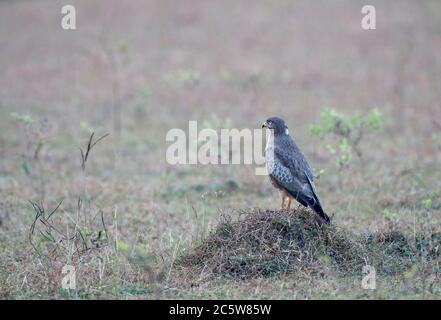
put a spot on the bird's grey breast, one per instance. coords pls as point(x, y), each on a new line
point(275, 167)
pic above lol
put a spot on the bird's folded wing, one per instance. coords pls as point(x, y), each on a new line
point(292, 174)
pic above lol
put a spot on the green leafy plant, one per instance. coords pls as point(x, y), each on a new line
point(182, 77)
point(349, 131)
point(23, 118)
point(35, 134)
point(345, 133)
point(216, 123)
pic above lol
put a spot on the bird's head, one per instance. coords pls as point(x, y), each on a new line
point(277, 124)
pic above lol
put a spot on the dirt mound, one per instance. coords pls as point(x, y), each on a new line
point(267, 242)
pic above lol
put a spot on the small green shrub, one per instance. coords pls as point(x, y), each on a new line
point(346, 132)
point(182, 77)
point(216, 123)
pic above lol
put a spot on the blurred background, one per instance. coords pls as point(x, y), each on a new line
point(136, 69)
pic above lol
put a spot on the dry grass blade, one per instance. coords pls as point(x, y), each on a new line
point(90, 145)
point(51, 234)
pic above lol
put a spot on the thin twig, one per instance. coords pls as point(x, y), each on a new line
point(90, 145)
point(56, 208)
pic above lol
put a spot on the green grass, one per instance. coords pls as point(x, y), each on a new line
point(52, 97)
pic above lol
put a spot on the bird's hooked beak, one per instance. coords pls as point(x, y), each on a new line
point(264, 125)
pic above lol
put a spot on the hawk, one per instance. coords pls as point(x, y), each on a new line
point(288, 168)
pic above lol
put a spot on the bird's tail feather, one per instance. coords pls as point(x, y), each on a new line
point(314, 202)
point(318, 209)
point(316, 206)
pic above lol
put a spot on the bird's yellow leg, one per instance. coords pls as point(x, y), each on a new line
point(282, 202)
point(289, 203)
